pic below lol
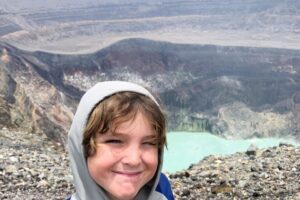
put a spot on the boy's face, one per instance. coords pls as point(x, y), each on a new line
point(125, 160)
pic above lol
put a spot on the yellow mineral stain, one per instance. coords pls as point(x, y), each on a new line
point(4, 56)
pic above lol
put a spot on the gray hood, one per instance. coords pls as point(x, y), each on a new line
point(86, 187)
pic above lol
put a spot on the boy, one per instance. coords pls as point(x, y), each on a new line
point(116, 144)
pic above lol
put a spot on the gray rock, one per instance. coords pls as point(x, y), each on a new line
point(251, 151)
point(10, 169)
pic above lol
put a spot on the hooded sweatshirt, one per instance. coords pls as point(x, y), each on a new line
point(86, 187)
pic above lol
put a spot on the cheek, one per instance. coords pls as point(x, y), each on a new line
point(92, 166)
point(151, 159)
point(99, 168)
point(96, 165)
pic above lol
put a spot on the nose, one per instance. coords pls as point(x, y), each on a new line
point(132, 155)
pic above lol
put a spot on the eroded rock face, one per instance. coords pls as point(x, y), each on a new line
point(15, 106)
point(28, 101)
point(234, 92)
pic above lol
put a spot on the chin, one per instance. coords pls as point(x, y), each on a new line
point(127, 196)
point(123, 195)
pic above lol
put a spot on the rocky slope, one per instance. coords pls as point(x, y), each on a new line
point(33, 167)
point(237, 92)
point(271, 173)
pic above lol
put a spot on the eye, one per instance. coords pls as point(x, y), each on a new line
point(150, 143)
point(113, 141)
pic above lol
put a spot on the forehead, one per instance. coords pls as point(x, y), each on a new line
point(138, 123)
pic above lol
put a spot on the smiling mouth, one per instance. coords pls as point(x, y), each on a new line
point(128, 174)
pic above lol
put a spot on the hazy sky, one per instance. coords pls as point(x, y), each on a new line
point(18, 5)
point(55, 23)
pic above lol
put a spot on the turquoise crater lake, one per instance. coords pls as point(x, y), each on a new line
point(185, 148)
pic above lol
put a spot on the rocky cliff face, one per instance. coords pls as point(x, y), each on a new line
point(230, 91)
point(29, 101)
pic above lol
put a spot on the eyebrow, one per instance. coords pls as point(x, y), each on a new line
point(150, 136)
